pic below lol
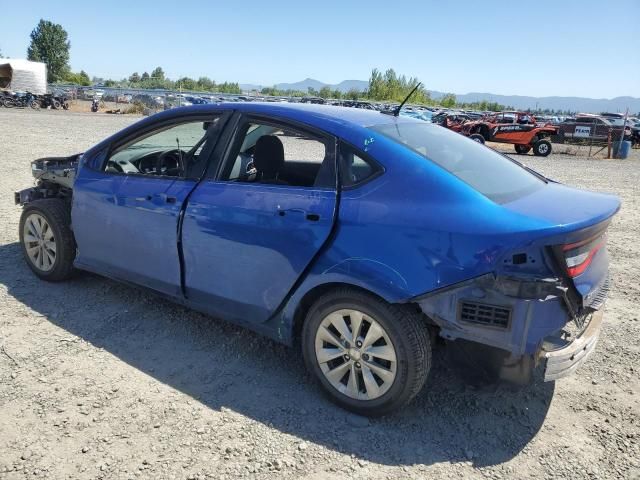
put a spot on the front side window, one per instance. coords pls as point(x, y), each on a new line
point(280, 155)
point(493, 175)
point(174, 151)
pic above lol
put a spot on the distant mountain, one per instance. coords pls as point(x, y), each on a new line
point(250, 87)
point(576, 104)
point(304, 85)
point(346, 85)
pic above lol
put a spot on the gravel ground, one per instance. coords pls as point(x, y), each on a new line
point(100, 380)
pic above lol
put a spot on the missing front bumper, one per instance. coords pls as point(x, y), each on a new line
point(566, 359)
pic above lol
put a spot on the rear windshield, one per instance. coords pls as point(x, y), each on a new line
point(493, 175)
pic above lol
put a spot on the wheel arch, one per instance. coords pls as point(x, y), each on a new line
point(482, 129)
point(312, 295)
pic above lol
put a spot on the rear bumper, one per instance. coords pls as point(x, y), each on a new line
point(563, 361)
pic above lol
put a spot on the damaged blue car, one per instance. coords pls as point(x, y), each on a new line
point(359, 237)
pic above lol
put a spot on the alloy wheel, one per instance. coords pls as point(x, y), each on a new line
point(39, 242)
point(355, 354)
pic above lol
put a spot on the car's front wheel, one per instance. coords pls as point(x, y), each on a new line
point(542, 148)
point(46, 238)
point(522, 149)
point(477, 137)
point(370, 357)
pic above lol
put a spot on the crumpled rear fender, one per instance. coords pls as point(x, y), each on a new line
point(367, 274)
point(529, 310)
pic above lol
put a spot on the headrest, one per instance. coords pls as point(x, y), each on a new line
point(268, 155)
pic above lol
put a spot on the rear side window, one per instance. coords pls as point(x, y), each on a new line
point(355, 167)
point(493, 175)
point(281, 155)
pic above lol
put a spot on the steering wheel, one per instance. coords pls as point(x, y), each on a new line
point(161, 159)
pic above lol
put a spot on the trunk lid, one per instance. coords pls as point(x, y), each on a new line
point(575, 236)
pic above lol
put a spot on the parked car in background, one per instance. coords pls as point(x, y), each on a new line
point(589, 127)
point(360, 236)
point(452, 121)
point(417, 112)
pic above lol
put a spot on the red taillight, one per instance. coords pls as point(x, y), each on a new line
point(578, 256)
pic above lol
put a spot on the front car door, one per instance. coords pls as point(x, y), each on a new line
point(125, 211)
point(251, 230)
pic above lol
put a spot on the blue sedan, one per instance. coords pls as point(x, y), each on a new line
point(358, 236)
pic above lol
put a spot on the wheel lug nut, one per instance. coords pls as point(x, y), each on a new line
point(347, 357)
point(358, 344)
point(357, 364)
point(365, 357)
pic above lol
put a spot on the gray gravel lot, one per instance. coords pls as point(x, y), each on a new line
point(103, 381)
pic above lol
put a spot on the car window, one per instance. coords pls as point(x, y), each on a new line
point(280, 155)
point(173, 150)
point(354, 167)
point(493, 175)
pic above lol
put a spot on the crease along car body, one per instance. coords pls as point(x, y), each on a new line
point(360, 237)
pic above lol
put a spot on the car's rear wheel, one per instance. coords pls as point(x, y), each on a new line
point(522, 149)
point(542, 148)
point(476, 137)
point(46, 238)
point(370, 357)
point(56, 104)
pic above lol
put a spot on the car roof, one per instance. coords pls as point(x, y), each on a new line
point(313, 114)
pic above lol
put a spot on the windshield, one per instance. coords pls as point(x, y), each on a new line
point(493, 175)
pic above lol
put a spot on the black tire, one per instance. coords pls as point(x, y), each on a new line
point(56, 105)
point(34, 104)
point(65, 105)
point(476, 137)
point(542, 148)
point(57, 213)
point(522, 149)
point(8, 103)
point(407, 332)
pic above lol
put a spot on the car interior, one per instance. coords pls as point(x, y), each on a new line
point(270, 154)
point(172, 151)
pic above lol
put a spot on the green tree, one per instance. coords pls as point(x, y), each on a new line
point(391, 87)
point(144, 77)
point(158, 73)
point(77, 78)
point(325, 92)
point(50, 44)
point(135, 77)
point(448, 101)
point(186, 83)
point(229, 87)
point(352, 94)
point(206, 84)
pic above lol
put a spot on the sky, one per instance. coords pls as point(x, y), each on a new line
point(585, 48)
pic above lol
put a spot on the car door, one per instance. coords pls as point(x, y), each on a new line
point(125, 212)
point(247, 239)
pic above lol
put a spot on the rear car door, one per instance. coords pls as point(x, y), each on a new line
point(252, 229)
point(125, 212)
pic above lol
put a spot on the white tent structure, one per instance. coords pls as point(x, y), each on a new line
point(23, 76)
